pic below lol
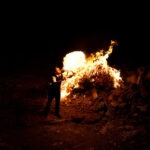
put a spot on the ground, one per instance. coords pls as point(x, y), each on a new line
point(23, 126)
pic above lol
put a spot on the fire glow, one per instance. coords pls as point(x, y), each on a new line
point(77, 67)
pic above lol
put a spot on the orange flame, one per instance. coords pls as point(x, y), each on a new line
point(77, 67)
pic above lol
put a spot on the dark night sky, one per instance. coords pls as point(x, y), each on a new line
point(30, 44)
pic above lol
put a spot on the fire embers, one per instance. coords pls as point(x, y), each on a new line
point(83, 73)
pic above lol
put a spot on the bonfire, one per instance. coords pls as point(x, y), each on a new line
point(82, 72)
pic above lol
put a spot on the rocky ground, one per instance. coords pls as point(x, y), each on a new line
point(96, 119)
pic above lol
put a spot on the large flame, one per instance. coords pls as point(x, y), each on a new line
point(77, 67)
point(74, 60)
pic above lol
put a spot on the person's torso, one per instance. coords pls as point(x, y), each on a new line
point(55, 81)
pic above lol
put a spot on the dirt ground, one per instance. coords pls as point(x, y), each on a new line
point(22, 125)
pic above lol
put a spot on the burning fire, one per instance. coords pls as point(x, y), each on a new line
point(78, 68)
point(74, 60)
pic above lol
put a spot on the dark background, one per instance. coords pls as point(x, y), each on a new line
point(34, 44)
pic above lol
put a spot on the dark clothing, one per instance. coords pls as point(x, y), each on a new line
point(54, 92)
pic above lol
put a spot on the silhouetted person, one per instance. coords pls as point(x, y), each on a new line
point(54, 91)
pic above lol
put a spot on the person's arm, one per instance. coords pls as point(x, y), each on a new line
point(54, 79)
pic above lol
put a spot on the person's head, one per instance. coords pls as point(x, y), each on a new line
point(57, 70)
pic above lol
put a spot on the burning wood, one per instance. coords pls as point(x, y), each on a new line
point(83, 72)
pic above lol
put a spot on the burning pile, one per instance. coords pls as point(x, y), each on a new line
point(83, 73)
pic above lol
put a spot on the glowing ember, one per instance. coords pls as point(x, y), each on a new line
point(92, 69)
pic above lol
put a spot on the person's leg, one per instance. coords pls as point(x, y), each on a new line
point(57, 102)
point(50, 98)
